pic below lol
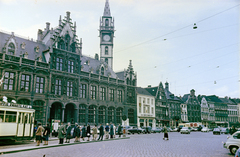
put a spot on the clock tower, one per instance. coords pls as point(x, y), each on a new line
point(106, 34)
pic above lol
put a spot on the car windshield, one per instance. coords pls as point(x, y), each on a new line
point(185, 128)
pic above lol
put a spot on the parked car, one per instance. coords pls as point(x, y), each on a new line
point(205, 129)
point(216, 131)
point(126, 128)
point(175, 130)
point(194, 129)
point(233, 142)
point(135, 130)
point(155, 130)
point(224, 131)
point(147, 130)
point(185, 130)
point(179, 128)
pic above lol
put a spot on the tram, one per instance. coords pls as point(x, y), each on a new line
point(16, 122)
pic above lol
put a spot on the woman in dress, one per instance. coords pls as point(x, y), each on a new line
point(68, 136)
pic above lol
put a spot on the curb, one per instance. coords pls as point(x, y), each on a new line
point(56, 145)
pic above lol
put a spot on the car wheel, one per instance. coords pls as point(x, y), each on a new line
point(233, 149)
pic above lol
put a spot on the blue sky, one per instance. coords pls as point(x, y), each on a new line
point(157, 35)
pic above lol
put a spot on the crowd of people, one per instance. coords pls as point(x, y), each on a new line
point(77, 132)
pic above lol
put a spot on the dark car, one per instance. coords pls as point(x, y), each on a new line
point(155, 130)
point(224, 131)
point(135, 130)
point(216, 131)
point(147, 130)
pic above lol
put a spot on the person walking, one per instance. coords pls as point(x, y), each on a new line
point(111, 130)
point(68, 136)
point(165, 133)
point(83, 132)
point(101, 132)
point(76, 132)
point(88, 131)
point(46, 134)
point(107, 131)
point(119, 130)
point(232, 130)
point(94, 132)
point(114, 131)
point(39, 134)
point(61, 133)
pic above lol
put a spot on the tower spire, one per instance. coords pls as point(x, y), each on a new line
point(106, 9)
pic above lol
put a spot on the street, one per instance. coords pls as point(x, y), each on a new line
point(141, 145)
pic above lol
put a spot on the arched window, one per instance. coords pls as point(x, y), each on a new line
point(106, 60)
point(111, 114)
point(11, 49)
point(102, 71)
point(101, 114)
point(119, 115)
point(67, 41)
point(61, 44)
point(106, 50)
point(106, 22)
point(131, 115)
point(82, 113)
point(91, 114)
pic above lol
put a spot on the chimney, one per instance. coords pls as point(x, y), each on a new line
point(166, 86)
point(39, 38)
point(47, 26)
point(96, 56)
point(149, 86)
point(68, 15)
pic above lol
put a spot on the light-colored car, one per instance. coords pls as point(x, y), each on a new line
point(233, 142)
point(175, 130)
point(185, 130)
point(205, 129)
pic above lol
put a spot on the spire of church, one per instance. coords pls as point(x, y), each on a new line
point(107, 9)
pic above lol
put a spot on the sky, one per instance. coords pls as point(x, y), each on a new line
point(157, 35)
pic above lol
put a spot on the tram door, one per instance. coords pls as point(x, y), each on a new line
point(20, 124)
point(26, 125)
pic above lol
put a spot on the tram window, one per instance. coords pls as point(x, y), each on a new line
point(1, 116)
point(10, 116)
point(19, 117)
point(26, 118)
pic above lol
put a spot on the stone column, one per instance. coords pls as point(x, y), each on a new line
point(63, 114)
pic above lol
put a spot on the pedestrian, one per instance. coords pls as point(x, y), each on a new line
point(88, 131)
point(111, 130)
point(94, 132)
point(68, 135)
point(119, 130)
point(46, 134)
point(101, 132)
point(39, 134)
point(114, 130)
point(34, 132)
point(233, 130)
point(165, 133)
point(61, 133)
point(107, 131)
point(83, 132)
point(76, 133)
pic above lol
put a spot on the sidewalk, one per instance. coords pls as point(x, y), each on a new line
point(53, 142)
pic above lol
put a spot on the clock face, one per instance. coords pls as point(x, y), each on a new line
point(106, 37)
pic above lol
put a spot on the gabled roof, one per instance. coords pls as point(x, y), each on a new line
point(170, 96)
point(213, 98)
point(152, 90)
point(227, 101)
point(120, 75)
point(143, 91)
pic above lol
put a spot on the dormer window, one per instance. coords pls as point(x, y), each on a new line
point(36, 49)
point(102, 71)
point(23, 45)
point(11, 49)
point(25, 55)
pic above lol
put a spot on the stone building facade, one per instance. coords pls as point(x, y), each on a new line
point(60, 83)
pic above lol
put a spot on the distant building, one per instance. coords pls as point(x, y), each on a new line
point(193, 106)
point(145, 108)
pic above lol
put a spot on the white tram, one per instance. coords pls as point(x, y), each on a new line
point(16, 121)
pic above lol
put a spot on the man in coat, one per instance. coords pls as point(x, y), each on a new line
point(83, 132)
point(88, 131)
point(101, 132)
point(119, 130)
point(165, 133)
point(94, 132)
point(61, 133)
point(111, 130)
point(68, 136)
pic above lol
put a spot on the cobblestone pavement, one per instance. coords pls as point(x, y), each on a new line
point(196, 144)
